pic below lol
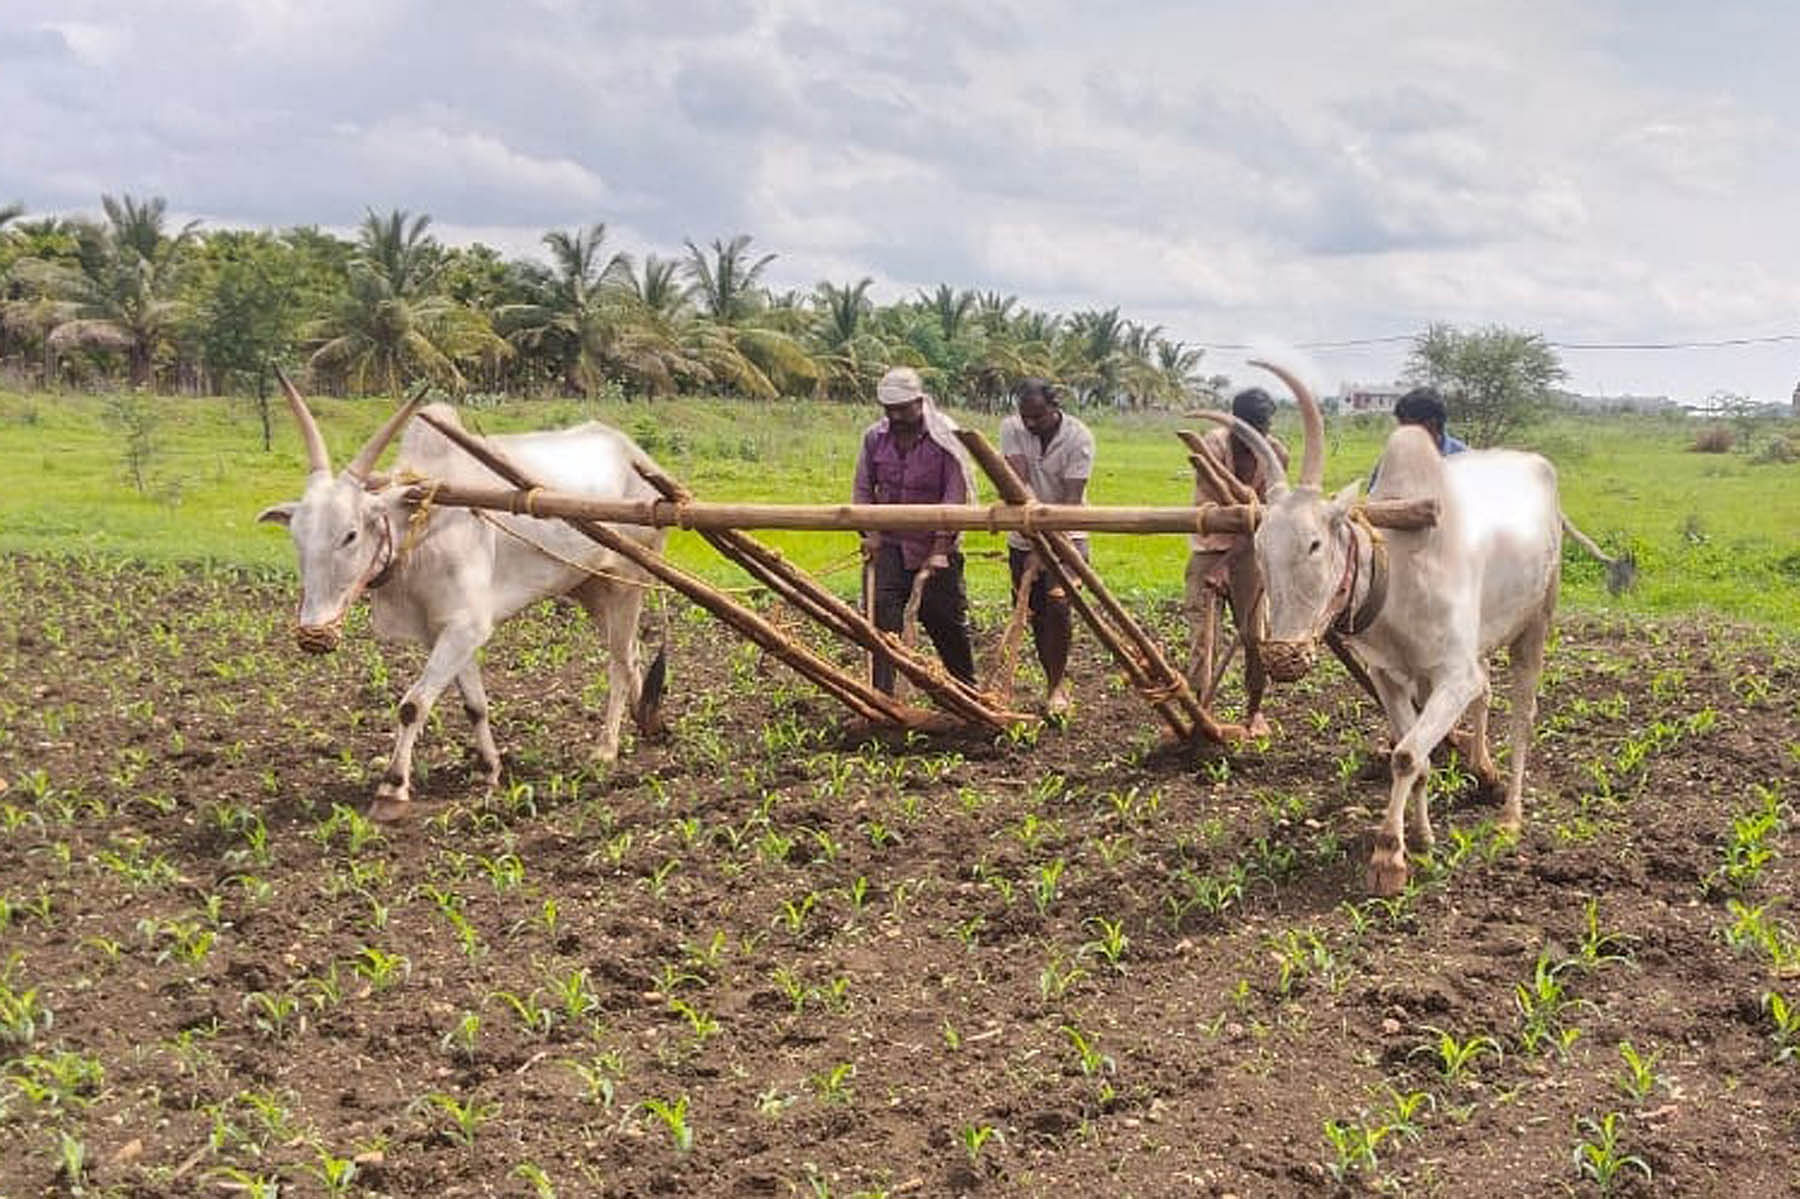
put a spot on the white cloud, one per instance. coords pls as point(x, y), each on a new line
point(1310, 172)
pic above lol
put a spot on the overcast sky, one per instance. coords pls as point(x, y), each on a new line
point(1261, 172)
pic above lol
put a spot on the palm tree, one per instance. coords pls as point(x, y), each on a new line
point(373, 339)
point(756, 355)
point(950, 307)
point(1092, 353)
point(851, 355)
point(1179, 365)
point(725, 286)
point(401, 252)
point(658, 288)
point(391, 322)
point(994, 310)
point(122, 290)
point(583, 316)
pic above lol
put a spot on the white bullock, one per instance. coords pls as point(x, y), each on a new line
point(1422, 609)
point(446, 579)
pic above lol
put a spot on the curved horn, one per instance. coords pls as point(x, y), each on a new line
point(1259, 445)
point(317, 457)
point(366, 457)
point(1312, 460)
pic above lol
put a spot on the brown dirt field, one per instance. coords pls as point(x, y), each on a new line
point(861, 967)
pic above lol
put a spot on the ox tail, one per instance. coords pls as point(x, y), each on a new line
point(646, 711)
point(1621, 572)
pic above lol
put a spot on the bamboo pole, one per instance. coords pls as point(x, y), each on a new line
point(1164, 688)
point(1028, 518)
point(766, 565)
point(1227, 488)
point(859, 697)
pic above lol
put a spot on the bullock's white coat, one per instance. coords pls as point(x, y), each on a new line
point(458, 574)
point(1485, 576)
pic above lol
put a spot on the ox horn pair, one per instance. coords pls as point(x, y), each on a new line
point(318, 459)
point(1312, 423)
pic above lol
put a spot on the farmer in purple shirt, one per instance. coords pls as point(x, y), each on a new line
point(911, 457)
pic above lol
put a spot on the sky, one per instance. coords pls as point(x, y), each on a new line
point(1266, 173)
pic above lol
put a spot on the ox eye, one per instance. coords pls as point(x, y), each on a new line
point(349, 537)
point(1314, 547)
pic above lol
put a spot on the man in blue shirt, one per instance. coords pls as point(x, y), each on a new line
point(1423, 406)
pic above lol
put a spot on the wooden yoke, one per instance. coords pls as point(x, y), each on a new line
point(1132, 648)
point(767, 566)
point(859, 697)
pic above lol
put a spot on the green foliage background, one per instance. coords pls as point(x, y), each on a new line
point(1713, 533)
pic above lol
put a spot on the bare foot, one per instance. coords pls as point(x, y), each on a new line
point(1259, 725)
point(1060, 699)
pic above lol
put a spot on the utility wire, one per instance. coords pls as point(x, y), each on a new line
point(1353, 342)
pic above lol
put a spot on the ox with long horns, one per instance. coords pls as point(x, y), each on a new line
point(1422, 609)
point(446, 577)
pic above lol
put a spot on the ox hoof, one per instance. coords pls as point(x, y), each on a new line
point(387, 809)
point(1387, 874)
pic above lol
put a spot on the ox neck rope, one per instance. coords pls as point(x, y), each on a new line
point(389, 559)
point(1350, 620)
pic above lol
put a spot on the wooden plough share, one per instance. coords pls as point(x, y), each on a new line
point(722, 525)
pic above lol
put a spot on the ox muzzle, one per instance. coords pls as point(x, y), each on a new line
point(319, 638)
point(1289, 661)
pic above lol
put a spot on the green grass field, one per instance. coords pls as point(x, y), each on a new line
point(1713, 533)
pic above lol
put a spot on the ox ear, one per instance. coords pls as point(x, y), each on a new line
point(277, 514)
point(1345, 499)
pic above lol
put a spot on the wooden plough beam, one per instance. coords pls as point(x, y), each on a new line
point(861, 698)
point(766, 565)
point(1025, 518)
point(722, 525)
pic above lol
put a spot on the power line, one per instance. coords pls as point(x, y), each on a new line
point(1722, 343)
point(1390, 339)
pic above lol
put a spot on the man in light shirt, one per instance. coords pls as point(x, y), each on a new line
point(1054, 453)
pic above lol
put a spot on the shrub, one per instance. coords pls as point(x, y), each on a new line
point(1780, 451)
point(1714, 439)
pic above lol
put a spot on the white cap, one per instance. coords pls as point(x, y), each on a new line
point(901, 385)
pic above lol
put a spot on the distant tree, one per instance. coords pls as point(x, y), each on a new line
point(726, 284)
point(122, 291)
point(1495, 380)
point(658, 286)
point(250, 312)
point(585, 317)
point(850, 353)
point(406, 257)
point(33, 255)
point(1179, 365)
point(393, 322)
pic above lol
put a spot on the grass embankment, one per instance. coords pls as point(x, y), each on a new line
point(1713, 533)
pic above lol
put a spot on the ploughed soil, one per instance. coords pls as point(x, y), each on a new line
point(773, 955)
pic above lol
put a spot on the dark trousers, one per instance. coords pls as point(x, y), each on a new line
point(943, 610)
point(1047, 617)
